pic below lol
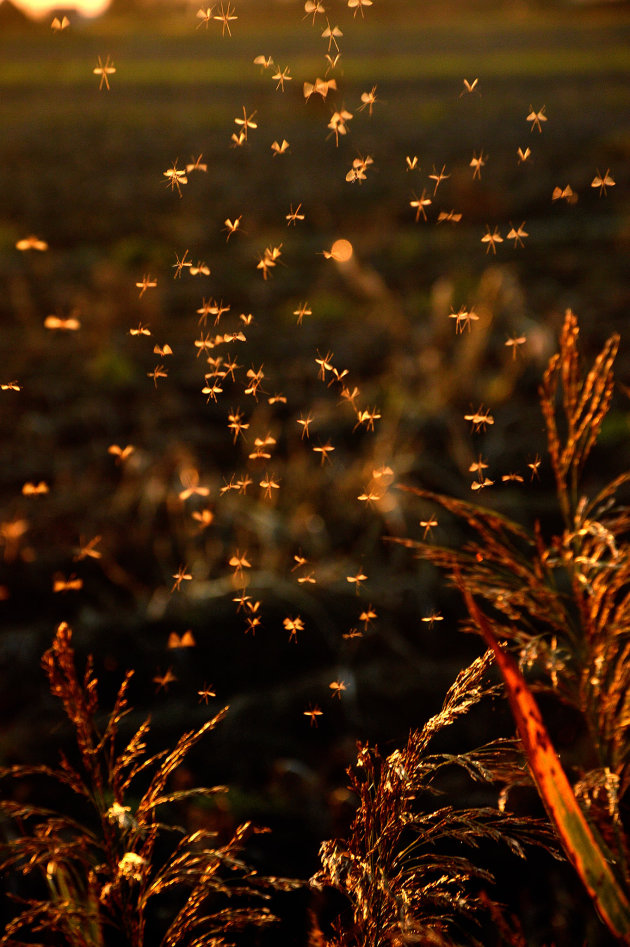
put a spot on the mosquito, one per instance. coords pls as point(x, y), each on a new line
point(518, 234)
point(205, 693)
point(281, 77)
point(368, 99)
point(450, 215)
point(469, 87)
point(246, 122)
point(301, 311)
point(337, 688)
point(357, 5)
point(420, 203)
point(158, 372)
point(305, 424)
point(104, 70)
point(226, 15)
point(492, 239)
point(293, 625)
point(428, 525)
point(148, 282)
point(163, 680)
point(179, 265)
point(280, 148)
point(294, 215)
point(332, 34)
point(120, 453)
point(314, 7)
point(31, 243)
point(187, 640)
point(196, 164)
point(176, 178)
point(603, 182)
point(324, 450)
point(477, 162)
point(438, 177)
point(205, 16)
point(338, 123)
point(356, 580)
point(536, 118)
point(313, 712)
point(514, 343)
point(320, 87)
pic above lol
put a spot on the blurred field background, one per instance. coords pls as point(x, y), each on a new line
point(83, 170)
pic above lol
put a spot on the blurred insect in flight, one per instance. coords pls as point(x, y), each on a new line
point(337, 687)
point(536, 118)
point(196, 164)
point(518, 234)
point(148, 282)
point(320, 87)
point(71, 324)
point(231, 226)
point(187, 640)
point(31, 243)
point(294, 215)
point(449, 215)
point(175, 178)
point(368, 99)
point(438, 177)
point(302, 311)
point(281, 77)
point(420, 203)
point(514, 343)
point(477, 162)
point(314, 7)
point(246, 122)
point(357, 5)
point(104, 70)
point(36, 489)
point(603, 182)
point(280, 148)
point(313, 713)
point(58, 25)
point(179, 265)
point(264, 61)
point(226, 15)
point(201, 269)
point(332, 33)
point(88, 550)
point(564, 193)
point(120, 453)
point(205, 16)
point(491, 239)
point(338, 123)
point(469, 87)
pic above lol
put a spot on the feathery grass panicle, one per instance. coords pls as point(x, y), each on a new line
point(104, 871)
point(397, 867)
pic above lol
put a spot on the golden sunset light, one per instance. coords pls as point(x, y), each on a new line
point(41, 8)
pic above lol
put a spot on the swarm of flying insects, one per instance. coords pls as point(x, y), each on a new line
point(261, 410)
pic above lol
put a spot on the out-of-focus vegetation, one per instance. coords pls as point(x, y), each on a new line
point(84, 170)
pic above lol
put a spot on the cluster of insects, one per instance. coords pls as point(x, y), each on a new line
point(240, 382)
